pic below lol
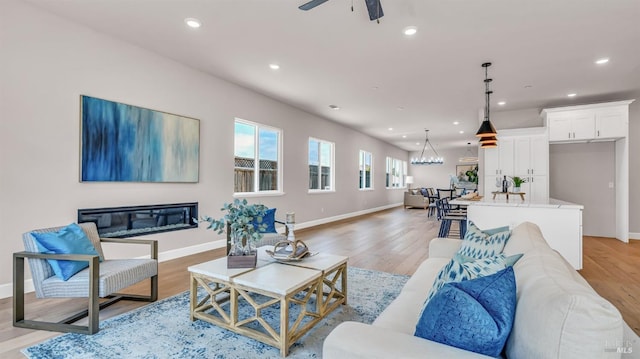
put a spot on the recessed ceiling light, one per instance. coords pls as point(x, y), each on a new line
point(572, 95)
point(334, 107)
point(417, 143)
point(390, 128)
point(274, 66)
point(501, 103)
point(456, 123)
point(410, 30)
point(602, 61)
point(191, 22)
point(461, 132)
point(404, 136)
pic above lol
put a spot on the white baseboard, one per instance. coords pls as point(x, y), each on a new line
point(634, 235)
point(6, 290)
point(187, 251)
point(344, 216)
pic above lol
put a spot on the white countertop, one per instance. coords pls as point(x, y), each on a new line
point(515, 201)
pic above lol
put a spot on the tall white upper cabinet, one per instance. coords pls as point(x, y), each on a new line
point(522, 152)
point(603, 121)
point(598, 122)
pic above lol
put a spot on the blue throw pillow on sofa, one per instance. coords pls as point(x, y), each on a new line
point(479, 243)
point(68, 240)
point(475, 315)
point(269, 219)
point(461, 268)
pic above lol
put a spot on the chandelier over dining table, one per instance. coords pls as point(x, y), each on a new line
point(430, 160)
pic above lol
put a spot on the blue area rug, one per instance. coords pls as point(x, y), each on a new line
point(163, 329)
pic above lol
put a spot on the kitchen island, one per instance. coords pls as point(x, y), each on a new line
point(559, 221)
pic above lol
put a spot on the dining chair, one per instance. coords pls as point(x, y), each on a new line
point(446, 193)
point(431, 198)
point(447, 217)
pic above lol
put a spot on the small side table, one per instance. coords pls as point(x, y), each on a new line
point(521, 194)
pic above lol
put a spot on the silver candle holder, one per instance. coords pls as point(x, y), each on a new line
point(290, 222)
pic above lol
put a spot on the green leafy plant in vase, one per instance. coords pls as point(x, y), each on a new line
point(243, 224)
point(517, 182)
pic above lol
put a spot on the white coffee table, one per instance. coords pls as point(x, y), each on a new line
point(322, 278)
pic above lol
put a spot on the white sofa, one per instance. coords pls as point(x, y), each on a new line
point(558, 315)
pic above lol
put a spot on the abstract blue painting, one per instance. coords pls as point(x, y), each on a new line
point(125, 143)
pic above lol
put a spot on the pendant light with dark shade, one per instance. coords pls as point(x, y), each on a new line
point(487, 133)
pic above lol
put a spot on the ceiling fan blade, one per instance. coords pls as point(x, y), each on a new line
point(311, 4)
point(375, 9)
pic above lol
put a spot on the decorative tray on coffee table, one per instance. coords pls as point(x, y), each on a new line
point(283, 251)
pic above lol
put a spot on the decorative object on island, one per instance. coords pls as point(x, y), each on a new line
point(422, 160)
point(243, 222)
point(505, 185)
point(125, 143)
point(517, 182)
point(487, 133)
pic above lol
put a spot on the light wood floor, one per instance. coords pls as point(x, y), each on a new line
point(394, 240)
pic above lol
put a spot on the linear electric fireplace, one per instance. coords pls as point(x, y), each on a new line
point(120, 222)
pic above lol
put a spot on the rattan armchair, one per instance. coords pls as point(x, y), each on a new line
point(100, 280)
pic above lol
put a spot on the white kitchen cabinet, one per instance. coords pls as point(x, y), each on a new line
point(604, 121)
point(523, 153)
point(532, 164)
point(531, 156)
point(499, 161)
point(572, 125)
point(539, 155)
point(612, 122)
point(536, 189)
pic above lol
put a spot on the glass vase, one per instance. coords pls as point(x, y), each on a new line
point(250, 247)
point(236, 244)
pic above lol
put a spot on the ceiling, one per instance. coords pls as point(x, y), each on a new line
point(380, 78)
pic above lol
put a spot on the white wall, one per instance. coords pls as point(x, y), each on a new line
point(581, 173)
point(634, 166)
point(503, 120)
point(48, 62)
point(437, 176)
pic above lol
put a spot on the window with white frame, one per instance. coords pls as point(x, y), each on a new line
point(366, 170)
point(257, 151)
point(321, 164)
point(396, 173)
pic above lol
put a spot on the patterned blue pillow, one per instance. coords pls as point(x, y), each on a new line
point(458, 270)
point(269, 219)
point(481, 244)
point(475, 315)
point(510, 260)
